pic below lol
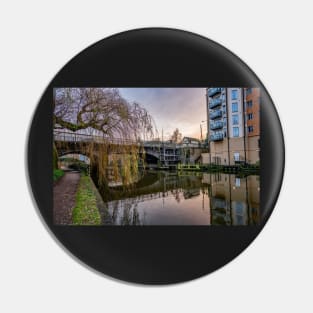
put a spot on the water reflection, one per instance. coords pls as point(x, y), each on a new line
point(170, 198)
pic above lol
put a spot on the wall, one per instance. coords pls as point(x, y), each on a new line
point(254, 96)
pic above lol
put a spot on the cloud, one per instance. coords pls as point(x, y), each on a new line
point(182, 108)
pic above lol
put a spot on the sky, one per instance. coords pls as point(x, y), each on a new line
point(171, 108)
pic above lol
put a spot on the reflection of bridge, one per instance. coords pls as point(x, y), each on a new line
point(159, 183)
point(156, 151)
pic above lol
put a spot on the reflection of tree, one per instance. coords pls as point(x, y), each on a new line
point(126, 219)
point(136, 217)
point(176, 194)
point(115, 211)
point(125, 212)
point(155, 183)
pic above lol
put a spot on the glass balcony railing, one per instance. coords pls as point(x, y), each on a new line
point(216, 125)
point(217, 137)
point(215, 114)
point(215, 102)
point(213, 91)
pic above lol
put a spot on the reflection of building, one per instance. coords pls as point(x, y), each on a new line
point(233, 116)
point(233, 200)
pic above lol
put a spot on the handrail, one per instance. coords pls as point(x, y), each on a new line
point(75, 137)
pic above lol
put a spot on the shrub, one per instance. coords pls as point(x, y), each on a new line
point(57, 174)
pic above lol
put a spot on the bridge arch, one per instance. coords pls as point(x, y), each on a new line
point(151, 158)
point(82, 157)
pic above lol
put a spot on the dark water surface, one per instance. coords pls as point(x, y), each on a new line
point(186, 198)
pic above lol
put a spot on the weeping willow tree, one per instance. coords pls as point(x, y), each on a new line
point(113, 127)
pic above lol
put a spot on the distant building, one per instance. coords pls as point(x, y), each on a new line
point(190, 142)
point(191, 150)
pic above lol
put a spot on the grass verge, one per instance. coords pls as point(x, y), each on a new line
point(86, 211)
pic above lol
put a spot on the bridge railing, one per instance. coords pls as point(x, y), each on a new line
point(82, 138)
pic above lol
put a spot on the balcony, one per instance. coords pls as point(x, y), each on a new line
point(217, 137)
point(215, 102)
point(216, 125)
point(215, 114)
point(213, 91)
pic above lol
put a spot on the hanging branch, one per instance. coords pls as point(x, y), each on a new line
point(103, 110)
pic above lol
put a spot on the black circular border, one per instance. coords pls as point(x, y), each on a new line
point(154, 57)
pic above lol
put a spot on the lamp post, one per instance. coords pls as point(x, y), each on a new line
point(201, 129)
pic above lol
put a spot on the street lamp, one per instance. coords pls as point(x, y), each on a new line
point(201, 129)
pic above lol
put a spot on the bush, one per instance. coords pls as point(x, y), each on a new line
point(79, 166)
point(57, 174)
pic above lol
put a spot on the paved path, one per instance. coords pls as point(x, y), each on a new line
point(64, 195)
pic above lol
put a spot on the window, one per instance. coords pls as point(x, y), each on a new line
point(236, 131)
point(234, 107)
point(250, 116)
point(249, 104)
point(237, 181)
point(236, 156)
point(235, 120)
point(248, 91)
point(250, 129)
point(234, 94)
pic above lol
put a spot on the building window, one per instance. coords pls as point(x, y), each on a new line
point(234, 94)
point(236, 156)
point(249, 104)
point(236, 131)
point(235, 119)
point(250, 129)
point(248, 91)
point(234, 107)
point(250, 116)
point(237, 181)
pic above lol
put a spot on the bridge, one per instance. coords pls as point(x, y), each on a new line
point(156, 151)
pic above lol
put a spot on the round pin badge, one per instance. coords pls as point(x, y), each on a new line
point(155, 156)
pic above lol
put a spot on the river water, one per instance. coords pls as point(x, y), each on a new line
point(186, 198)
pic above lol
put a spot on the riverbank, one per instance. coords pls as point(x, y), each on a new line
point(86, 211)
point(57, 174)
point(240, 169)
point(76, 201)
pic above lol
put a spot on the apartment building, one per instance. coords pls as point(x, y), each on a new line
point(252, 109)
point(226, 125)
point(233, 125)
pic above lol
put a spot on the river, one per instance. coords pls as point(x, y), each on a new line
point(186, 198)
